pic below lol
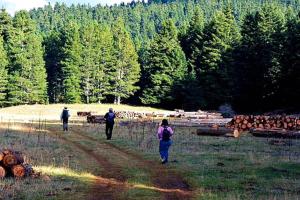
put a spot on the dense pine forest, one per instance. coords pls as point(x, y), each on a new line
point(169, 53)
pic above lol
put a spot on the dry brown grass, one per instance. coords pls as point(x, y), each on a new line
point(53, 111)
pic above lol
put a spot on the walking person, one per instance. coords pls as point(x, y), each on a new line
point(110, 121)
point(64, 117)
point(164, 135)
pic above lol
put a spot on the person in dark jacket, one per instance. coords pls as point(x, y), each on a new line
point(110, 121)
point(64, 117)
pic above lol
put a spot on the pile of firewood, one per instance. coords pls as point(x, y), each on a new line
point(248, 122)
point(12, 164)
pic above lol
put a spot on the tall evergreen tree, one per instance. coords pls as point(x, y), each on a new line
point(165, 63)
point(97, 59)
point(259, 58)
point(192, 41)
point(214, 70)
point(3, 73)
point(53, 46)
point(27, 74)
point(5, 24)
point(71, 62)
point(289, 87)
point(105, 63)
point(126, 71)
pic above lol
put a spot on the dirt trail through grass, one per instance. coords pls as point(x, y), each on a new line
point(112, 179)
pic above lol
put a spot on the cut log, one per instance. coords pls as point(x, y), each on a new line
point(18, 171)
point(9, 160)
point(2, 172)
point(213, 132)
point(275, 133)
point(236, 133)
point(1, 156)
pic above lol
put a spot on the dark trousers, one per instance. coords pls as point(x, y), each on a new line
point(164, 149)
point(108, 130)
point(65, 124)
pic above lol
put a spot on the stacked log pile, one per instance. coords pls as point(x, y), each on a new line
point(247, 122)
point(267, 126)
point(12, 164)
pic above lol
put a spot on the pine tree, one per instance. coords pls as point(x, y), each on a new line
point(70, 63)
point(290, 81)
point(3, 73)
point(192, 41)
point(27, 74)
point(105, 63)
point(97, 58)
point(126, 70)
point(5, 24)
point(164, 63)
point(53, 46)
point(214, 70)
point(259, 58)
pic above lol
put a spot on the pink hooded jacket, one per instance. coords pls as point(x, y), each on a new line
point(160, 132)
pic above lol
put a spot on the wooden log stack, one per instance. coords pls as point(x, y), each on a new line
point(12, 164)
point(247, 122)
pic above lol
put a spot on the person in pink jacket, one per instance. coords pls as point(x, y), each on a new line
point(164, 135)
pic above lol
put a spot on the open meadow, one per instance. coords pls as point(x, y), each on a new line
point(81, 164)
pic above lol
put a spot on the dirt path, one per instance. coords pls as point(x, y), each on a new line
point(166, 181)
point(112, 181)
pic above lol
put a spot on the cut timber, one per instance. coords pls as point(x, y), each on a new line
point(275, 133)
point(236, 133)
point(18, 171)
point(2, 172)
point(10, 160)
point(213, 132)
point(1, 156)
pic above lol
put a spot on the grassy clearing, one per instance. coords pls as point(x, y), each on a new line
point(216, 167)
point(63, 175)
point(53, 111)
point(220, 168)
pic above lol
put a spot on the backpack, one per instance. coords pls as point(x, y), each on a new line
point(110, 117)
point(65, 114)
point(166, 134)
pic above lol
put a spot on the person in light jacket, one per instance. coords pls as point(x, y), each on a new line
point(164, 135)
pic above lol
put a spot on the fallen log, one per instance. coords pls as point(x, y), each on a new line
point(275, 133)
point(83, 114)
point(213, 131)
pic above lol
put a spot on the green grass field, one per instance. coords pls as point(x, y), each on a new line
point(82, 164)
